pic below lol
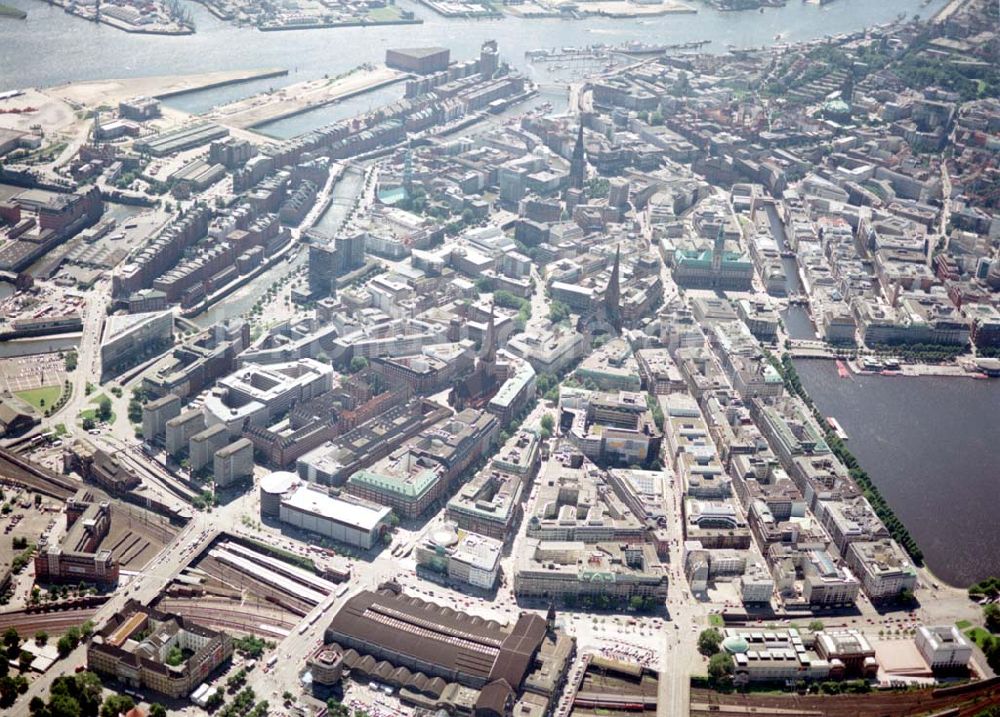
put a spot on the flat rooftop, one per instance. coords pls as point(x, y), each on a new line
point(311, 500)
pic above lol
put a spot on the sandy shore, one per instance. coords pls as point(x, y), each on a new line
point(111, 92)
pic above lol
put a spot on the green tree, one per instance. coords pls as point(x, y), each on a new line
point(175, 656)
point(64, 646)
point(720, 666)
point(89, 692)
point(88, 424)
point(991, 617)
point(358, 363)
point(709, 641)
point(558, 311)
point(24, 661)
point(816, 626)
point(104, 408)
point(8, 691)
point(547, 422)
point(337, 708)
point(116, 705)
point(10, 638)
point(157, 710)
point(41, 637)
point(64, 705)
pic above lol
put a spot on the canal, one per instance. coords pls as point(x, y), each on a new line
point(242, 300)
point(798, 323)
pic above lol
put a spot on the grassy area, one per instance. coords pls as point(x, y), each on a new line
point(381, 14)
point(963, 624)
point(978, 635)
point(91, 413)
point(716, 621)
point(8, 11)
point(41, 398)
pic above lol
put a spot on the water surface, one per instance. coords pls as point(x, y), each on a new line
point(930, 445)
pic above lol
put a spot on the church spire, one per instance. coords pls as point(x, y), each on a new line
point(488, 353)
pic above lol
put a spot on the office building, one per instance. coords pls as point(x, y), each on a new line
point(232, 463)
point(447, 551)
point(155, 415)
point(255, 394)
point(180, 429)
point(943, 647)
point(884, 569)
point(577, 505)
point(568, 571)
point(129, 338)
point(204, 444)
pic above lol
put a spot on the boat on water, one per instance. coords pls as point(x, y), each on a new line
point(837, 428)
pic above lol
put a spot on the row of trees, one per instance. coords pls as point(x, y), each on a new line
point(922, 353)
point(638, 603)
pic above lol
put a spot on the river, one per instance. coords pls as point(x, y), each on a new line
point(930, 445)
point(51, 47)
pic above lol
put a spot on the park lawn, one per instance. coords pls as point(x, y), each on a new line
point(963, 624)
point(716, 621)
point(91, 413)
point(41, 398)
point(978, 635)
point(381, 14)
point(8, 11)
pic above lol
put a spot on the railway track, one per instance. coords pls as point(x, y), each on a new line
point(187, 605)
point(234, 618)
point(19, 471)
point(27, 624)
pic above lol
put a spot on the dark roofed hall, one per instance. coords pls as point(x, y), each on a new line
point(424, 637)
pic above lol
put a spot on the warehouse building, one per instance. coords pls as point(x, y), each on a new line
point(79, 557)
point(422, 60)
